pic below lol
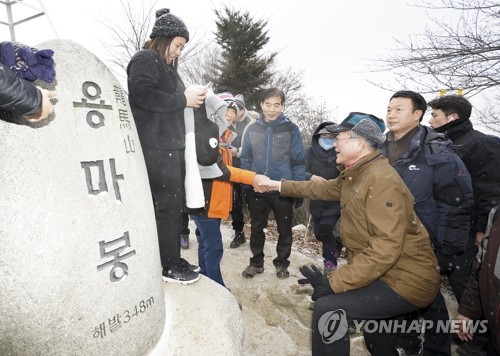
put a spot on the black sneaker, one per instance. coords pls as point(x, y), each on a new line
point(238, 240)
point(186, 264)
point(180, 274)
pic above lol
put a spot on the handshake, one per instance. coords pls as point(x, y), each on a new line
point(262, 184)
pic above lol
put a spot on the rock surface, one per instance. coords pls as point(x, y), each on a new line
point(79, 259)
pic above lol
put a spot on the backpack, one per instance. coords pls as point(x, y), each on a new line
point(206, 133)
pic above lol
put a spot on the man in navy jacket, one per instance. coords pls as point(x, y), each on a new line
point(272, 146)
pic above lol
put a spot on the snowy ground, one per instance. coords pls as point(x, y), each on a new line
point(276, 312)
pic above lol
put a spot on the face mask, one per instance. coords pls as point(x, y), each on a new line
point(326, 143)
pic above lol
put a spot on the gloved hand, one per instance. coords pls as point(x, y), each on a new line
point(297, 202)
point(28, 62)
point(446, 262)
point(318, 280)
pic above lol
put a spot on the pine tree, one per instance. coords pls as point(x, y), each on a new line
point(241, 69)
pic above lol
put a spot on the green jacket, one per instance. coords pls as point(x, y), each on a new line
point(382, 234)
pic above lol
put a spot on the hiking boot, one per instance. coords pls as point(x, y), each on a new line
point(188, 265)
point(185, 242)
point(282, 272)
point(329, 266)
point(251, 271)
point(180, 274)
point(238, 240)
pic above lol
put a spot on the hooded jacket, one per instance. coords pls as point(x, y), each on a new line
point(442, 188)
point(274, 149)
point(321, 162)
point(382, 234)
point(240, 128)
point(481, 155)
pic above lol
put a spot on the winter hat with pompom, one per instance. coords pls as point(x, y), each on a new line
point(168, 25)
point(229, 99)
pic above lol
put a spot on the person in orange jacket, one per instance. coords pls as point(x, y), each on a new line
point(218, 203)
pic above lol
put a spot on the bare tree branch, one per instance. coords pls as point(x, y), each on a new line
point(451, 54)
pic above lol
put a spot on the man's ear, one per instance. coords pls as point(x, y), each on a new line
point(418, 114)
point(452, 117)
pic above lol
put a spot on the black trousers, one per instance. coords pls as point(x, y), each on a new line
point(166, 171)
point(282, 208)
point(237, 212)
point(436, 341)
point(463, 265)
point(374, 302)
point(185, 224)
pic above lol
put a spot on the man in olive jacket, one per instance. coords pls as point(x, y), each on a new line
point(391, 268)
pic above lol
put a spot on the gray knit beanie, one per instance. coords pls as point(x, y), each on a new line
point(168, 25)
point(240, 101)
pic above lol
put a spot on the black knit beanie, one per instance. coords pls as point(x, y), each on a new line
point(168, 25)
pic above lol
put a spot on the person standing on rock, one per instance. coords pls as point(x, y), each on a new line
point(158, 97)
point(391, 269)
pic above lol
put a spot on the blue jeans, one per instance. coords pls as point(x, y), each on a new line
point(210, 248)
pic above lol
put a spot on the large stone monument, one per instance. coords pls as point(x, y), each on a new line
point(79, 261)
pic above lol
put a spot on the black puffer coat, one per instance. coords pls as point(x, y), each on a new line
point(322, 163)
point(481, 155)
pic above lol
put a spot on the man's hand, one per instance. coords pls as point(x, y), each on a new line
point(47, 107)
point(462, 327)
point(318, 280)
point(259, 183)
point(268, 185)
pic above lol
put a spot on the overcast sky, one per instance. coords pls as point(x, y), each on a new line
point(330, 41)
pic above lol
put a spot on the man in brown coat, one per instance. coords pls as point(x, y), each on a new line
point(391, 268)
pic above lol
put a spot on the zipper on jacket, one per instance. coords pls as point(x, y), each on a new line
point(268, 148)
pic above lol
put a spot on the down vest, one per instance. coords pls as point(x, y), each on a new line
point(382, 234)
